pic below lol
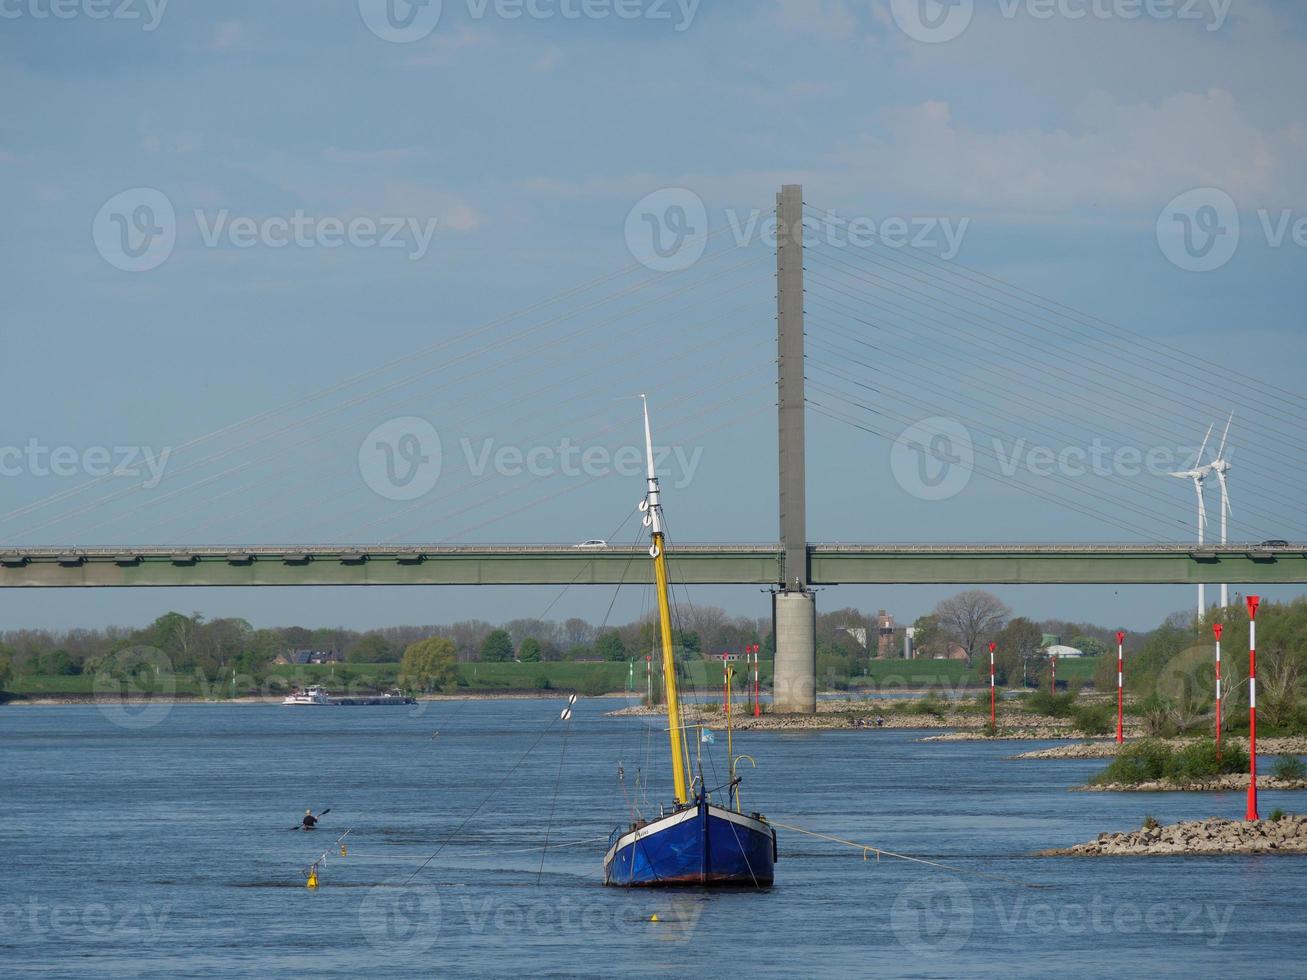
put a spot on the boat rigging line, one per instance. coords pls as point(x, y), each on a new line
point(880, 851)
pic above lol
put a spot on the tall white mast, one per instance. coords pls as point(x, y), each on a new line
point(1221, 467)
point(1199, 474)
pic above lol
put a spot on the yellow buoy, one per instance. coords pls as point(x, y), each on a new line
point(343, 851)
point(654, 917)
point(313, 879)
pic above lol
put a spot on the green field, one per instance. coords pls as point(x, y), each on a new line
point(704, 677)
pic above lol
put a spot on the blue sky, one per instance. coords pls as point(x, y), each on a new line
point(507, 156)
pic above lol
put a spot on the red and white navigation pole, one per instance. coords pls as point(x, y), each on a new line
point(1120, 689)
point(1218, 629)
point(757, 696)
point(726, 686)
point(992, 716)
point(1253, 603)
point(1052, 673)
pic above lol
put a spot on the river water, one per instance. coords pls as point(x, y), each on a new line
point(158, 844)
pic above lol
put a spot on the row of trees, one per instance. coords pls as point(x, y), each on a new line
point(216, 647)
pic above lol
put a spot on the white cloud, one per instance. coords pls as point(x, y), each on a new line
point(549, 60)
point(443, 50)
point(225, 35)
point(389, 154)
point(1114, 156)
point(830, 19)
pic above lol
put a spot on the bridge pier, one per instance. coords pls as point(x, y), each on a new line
point(794, 609)
point(794, 686)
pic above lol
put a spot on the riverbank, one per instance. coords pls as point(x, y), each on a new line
point(1230, 782)
point(91, 699)
point(1040, 730)
point(1107, 749)
point(865, 714)
point(1212, 836)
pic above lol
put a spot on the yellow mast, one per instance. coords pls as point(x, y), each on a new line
point(653, 519)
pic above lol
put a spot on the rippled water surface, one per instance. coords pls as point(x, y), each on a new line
point(165, 850)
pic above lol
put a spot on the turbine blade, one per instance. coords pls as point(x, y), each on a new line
point(1225, 493)
point(1203, 448)
point(1220, 453)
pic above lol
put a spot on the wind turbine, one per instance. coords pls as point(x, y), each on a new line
point(1199, 474)
point(1221, 466)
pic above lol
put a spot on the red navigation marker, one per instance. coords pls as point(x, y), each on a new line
point(1120, 690)
point(1217, 630)
point(1253, 603)
point(992, 716)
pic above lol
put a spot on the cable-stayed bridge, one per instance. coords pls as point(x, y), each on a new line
point(871, 339)
point(693, 564)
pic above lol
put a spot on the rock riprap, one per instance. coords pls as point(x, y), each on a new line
point(1287, 835)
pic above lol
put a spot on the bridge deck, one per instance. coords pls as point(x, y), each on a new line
point(724, 564)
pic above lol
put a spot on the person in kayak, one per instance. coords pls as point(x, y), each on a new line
point(310, 821)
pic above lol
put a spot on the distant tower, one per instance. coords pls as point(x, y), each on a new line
point(884, 635)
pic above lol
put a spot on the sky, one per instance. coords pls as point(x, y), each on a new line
point(371, 271)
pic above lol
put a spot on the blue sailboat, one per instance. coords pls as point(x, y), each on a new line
point(698, 842)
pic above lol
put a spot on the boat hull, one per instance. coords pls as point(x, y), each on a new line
point(700, 845)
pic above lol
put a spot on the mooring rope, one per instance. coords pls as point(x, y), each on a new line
point(878, 851)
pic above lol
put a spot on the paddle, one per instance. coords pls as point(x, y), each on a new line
point(300, 826)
